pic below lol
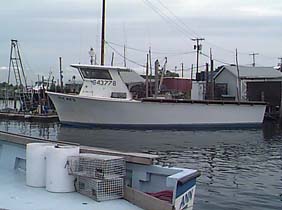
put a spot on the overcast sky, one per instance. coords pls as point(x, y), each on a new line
point(48, 29)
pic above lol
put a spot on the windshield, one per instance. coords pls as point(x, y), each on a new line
point(95, 74)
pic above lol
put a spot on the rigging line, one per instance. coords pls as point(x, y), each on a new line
point(25, 62)
point(155, 52)
point(168, 19)
point(177, 18)
point(132, 61)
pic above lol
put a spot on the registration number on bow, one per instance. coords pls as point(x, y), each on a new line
point(104, 82)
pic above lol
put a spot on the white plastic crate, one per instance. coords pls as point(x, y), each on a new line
point(96, 166)
point(100, 190)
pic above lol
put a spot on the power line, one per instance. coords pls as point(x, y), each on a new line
point(177, 18)
point(168, 19)
point(155, 52)
point(183, 27)
point(219, 61)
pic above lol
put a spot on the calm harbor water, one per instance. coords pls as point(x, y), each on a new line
point(241, 169)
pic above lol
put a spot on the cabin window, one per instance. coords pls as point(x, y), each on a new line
point(118, 95)
point(96, 74)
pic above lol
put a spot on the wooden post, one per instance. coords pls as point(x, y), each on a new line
point(211, 77)
point(43, 93)
point(280, 110)
point(182, 69)
point(124, 56)
point(61, 75)
point(151, 72)
point(238, 79)
point(147, 76)
point(192, 67)
point(157, 64)
point(207, 81)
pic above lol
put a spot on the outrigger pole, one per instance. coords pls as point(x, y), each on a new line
point(103, 33)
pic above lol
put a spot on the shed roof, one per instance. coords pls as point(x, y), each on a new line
point(247, 72)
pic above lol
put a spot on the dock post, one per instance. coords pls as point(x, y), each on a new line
point(147, 76)
point(280, 109)
point(157, 65)
point(61, 75)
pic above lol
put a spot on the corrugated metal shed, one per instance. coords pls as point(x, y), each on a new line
point(252, 72)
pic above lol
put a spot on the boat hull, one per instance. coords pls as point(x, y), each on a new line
point(79, 110)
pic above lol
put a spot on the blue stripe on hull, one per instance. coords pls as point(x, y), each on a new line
point(166, 126)
point(181, 189)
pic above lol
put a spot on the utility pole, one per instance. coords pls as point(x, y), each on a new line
point(254, 58)
point(198, 47)
point(103, 33)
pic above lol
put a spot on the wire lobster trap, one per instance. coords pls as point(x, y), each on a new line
point(96, 166)
point(100, 190)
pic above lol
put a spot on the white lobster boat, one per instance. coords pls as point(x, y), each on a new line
point(105, 100)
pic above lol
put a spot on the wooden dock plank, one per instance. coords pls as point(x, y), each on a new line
point(139, 158)
point(29, 117)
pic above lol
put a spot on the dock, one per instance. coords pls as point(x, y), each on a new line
point(29, 117)
point(139, 158)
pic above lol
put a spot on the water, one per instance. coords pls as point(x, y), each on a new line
point(241, 169)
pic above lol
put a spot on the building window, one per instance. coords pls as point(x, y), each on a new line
point(95, 74)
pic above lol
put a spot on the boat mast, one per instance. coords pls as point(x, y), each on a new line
point(103, 33)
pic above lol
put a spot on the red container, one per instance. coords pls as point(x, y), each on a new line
point(177, 84)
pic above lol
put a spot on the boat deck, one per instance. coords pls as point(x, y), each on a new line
point(15, 195)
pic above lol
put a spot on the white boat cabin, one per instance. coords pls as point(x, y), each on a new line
point(107, 81)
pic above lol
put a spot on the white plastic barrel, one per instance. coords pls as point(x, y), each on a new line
point(57, 178)
point(36, 164)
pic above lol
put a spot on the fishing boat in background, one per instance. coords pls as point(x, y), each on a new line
point(106, 100)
